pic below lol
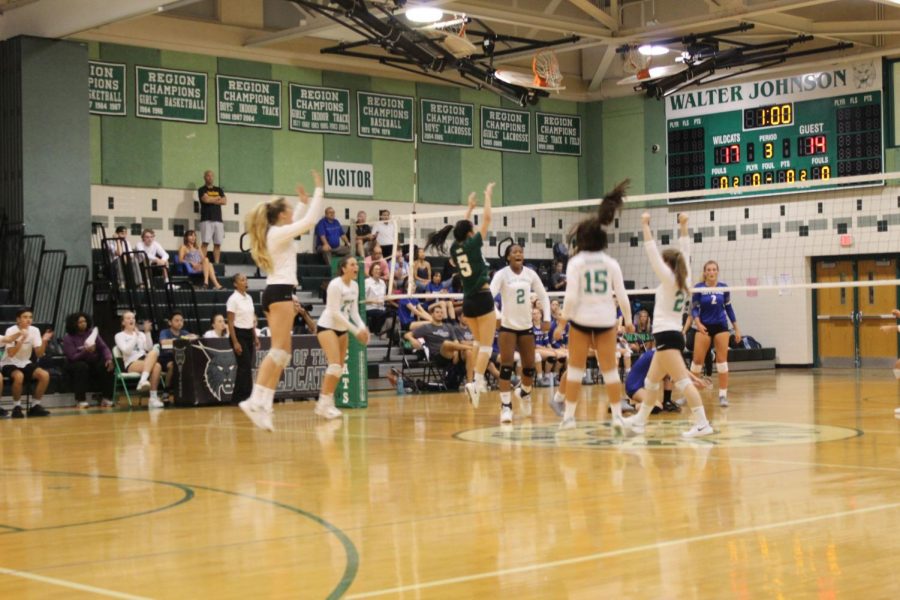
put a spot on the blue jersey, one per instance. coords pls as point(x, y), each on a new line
point(712, 306)
point(639, 370)
point(564, 340)
point(403, 313)
point(541, 337)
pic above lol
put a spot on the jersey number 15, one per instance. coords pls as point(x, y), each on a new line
point(595, 282)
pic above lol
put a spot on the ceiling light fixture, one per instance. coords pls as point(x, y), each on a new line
point(652, 50)
point(424, 14)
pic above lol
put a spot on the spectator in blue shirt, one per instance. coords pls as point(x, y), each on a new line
point(330, 237)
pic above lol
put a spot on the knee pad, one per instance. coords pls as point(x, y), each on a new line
point(722, 367)
point(682, 384)
point(529, 372)
point(574, 374)
point(695, 368)
point(506, 372)
point(485, 350)
point(334, 370)
point(280, 357)
point(651, 386)
point(611, 376)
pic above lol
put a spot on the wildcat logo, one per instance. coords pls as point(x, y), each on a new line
point(864, 74)
point(660, 434)
point(220, 372)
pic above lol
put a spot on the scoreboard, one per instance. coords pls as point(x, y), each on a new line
point(797, 128)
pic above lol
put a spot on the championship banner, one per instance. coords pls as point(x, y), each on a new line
point(170, 95)
point(106, 88)
point(250, 102)
point(558, 134)
point(505, 130)
point(447, 123)
point(319, 109)
point(384, 116)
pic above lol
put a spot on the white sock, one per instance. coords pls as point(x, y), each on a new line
point(559, 397)
point(897, 373)
point(616, 409)
point(700, 419)
point(723, 393)
point(505, 397)
point(258, 395)
point(145, 375)
point(645, 410)
point(570, 410)
point(154, 395)
point(479, 379)
point(326, 399)
point(17, 403)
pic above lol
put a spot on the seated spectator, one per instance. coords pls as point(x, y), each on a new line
point(558, 278)
point(23, 339)
point(455, 287)
point(376, 258)
point(440, 338)
point(330, 238)
point(303, 322)
point(363, 234)
point(121, 259)
point(157, 258)
point(642, 325)
point(196, 263)
point(88, 360)
point(422, 270)
point(167, 337)
point(437, 287)
point(218, 327)
point(401, 271)
point(561, 253)
point(140, 355)
point(409, 311)
point(375, 292)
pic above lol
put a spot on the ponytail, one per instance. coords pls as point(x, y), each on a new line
point(589, 235)
point(438, 239)
point(612, 202)
point(257, 225)
point(678, 263)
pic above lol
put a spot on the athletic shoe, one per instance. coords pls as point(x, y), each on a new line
point(473, 393)
point(143, 386)
point(567, 423)
point(254, 412)
point(618, 426)
point(266, 420)
point(627, 407)
point(723, 401)
point(656, 410)
point(506, 413)
point(83, 404)
point(557, 407)
point(670, 406)
point(327, 412)
point(483, 387)
point(524, 401)
point(17, 412)
point(37, 410)
point(155, 403)
point(107, 403)
point(696, 431)
point(634, 424)
point(680, 402)
point(897, 412)
point(3, 413)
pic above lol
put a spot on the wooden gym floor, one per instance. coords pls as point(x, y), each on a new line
point(797, 496)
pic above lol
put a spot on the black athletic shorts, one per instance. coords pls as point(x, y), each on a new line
point(320, 329)
point(715, 329)
point(27, 371)
point(590, 330)
point(277, 293)
point(668, 340)
point(441, 361)
point(478, 304)
point(517, 332)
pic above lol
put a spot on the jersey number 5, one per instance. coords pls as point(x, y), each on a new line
point(465, 269)
point(595, 282)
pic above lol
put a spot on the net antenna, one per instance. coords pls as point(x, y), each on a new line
point(451, 34)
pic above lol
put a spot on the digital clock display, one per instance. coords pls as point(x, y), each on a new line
point(814, 127)
point(776, 115)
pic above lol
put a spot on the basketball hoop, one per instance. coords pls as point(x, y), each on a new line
point(546, 70)
point(452, 35)
point(636, 64)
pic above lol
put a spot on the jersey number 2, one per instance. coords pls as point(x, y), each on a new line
point(520, 296)
point(679, 302)
point(595, 282)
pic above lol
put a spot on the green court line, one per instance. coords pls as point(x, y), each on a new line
point(350, 570)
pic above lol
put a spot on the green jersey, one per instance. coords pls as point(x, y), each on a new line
point(472, 267)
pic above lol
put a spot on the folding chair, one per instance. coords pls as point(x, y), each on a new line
point(122, 377)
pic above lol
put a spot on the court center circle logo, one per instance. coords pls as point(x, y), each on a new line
point(659, 434)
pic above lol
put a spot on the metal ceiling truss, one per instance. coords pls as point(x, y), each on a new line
point(409, 49)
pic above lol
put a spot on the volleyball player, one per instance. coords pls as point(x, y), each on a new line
point(891, 329)
point(711, 310)
point(674, 272)
point(272, 228)
point(589, 307)
point(478, 304)
point(515, 283)
point(341, 314)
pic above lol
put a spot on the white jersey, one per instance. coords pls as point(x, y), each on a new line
point(31, 341)
point(670, 302)
point(515, 297)
point(591, 279)
point(280, 241)
point(133, 346)
point(342, 307)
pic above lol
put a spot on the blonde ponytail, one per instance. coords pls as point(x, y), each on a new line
point(257, 225)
